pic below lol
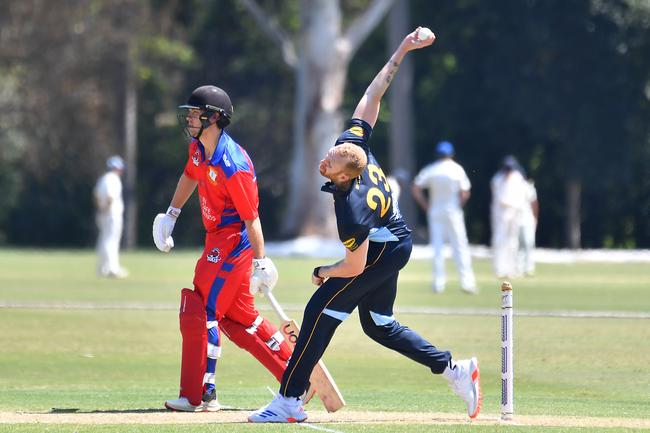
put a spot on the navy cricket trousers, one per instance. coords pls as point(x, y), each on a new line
point(373, 292)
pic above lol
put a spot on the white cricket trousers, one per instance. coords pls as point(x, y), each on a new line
point(506, 225)
point(450, 225)
point(527, 247)
point(108, 244)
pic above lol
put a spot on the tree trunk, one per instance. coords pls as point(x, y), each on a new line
point(130, 150)
point(400, 97)
point(573, 190)
point(321, 74)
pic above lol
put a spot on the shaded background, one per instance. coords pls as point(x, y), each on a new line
point(563, 85)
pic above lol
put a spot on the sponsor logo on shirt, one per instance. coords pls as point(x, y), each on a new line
point(226, 160)
point(350, 244)
point(196, 158)
point(214, 256)
point(356, 130)
point(206, 210)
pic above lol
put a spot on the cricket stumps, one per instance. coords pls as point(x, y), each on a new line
point(507, 340)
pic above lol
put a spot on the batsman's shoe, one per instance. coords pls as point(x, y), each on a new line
point(210, 402)
point(281, 409)
point(467, 385)
point(182, 404)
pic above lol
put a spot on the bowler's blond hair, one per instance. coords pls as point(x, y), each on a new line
point(355, 157)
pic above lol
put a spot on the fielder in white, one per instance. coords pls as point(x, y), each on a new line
point(109, 218)
point(509, 191)
point(530, 214)
point(449, 190)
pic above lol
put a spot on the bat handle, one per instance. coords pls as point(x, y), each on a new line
point(276, 306)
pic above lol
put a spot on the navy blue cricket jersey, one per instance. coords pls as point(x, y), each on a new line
point(367, 209)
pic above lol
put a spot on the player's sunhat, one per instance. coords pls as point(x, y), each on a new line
point(445, 148)
point(115, 162)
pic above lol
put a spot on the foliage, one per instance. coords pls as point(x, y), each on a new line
point(562, 85)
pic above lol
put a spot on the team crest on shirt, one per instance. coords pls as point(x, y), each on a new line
point(350, 244)
point(356, 130)
point(214, 256)
point(212, 175)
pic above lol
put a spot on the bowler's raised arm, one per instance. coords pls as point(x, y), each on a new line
point(368, 107)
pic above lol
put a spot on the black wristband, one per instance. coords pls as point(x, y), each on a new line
point(316, 271)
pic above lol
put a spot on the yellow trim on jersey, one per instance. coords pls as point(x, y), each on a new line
point(356, 130)
point(350, 243)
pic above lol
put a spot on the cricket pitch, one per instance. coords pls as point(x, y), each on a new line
point(234, 416)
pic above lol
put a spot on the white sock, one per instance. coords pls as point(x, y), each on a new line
point(291, 401)
point(451, 372)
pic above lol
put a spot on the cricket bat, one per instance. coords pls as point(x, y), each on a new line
point(320, 378)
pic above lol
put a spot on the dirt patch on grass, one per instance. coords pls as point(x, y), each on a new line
point(231, 416)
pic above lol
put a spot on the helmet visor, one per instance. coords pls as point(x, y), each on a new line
point(189, 119)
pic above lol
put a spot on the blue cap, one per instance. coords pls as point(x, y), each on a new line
point(445, 148)
point(115, 163)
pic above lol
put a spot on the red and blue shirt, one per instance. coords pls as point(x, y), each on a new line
point(227, 183)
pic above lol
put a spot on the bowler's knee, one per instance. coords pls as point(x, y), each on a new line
point(378, 326)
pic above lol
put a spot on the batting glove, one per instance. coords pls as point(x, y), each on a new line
point(163, 226)
point(256, 285)
point(264, 276)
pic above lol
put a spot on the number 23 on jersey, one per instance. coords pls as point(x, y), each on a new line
point(379, 195)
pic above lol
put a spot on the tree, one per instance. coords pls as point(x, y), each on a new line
point(559, 84)
point(68, 72)
point(319, 56)
point(400, 99)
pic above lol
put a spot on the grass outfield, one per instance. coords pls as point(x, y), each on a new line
point(72, 343)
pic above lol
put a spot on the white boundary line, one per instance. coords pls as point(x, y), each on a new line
point(404, 310)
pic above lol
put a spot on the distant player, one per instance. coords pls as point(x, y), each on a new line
point(449, 190)
point(378, 244)
point(530, 214)
point(110, 219)
point(509, 196)
point(222, 298)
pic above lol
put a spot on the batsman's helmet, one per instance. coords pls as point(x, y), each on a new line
point(210, 100)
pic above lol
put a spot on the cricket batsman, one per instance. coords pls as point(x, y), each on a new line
point(222, 299)
point(377, 245)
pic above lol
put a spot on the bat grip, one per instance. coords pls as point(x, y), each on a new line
point(276, 306)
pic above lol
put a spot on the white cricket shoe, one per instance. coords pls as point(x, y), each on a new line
point(467, 385)
point(281, 409)
point(182, 404)
point(437, 289)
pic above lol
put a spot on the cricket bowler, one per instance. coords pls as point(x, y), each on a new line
point(378, 244)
